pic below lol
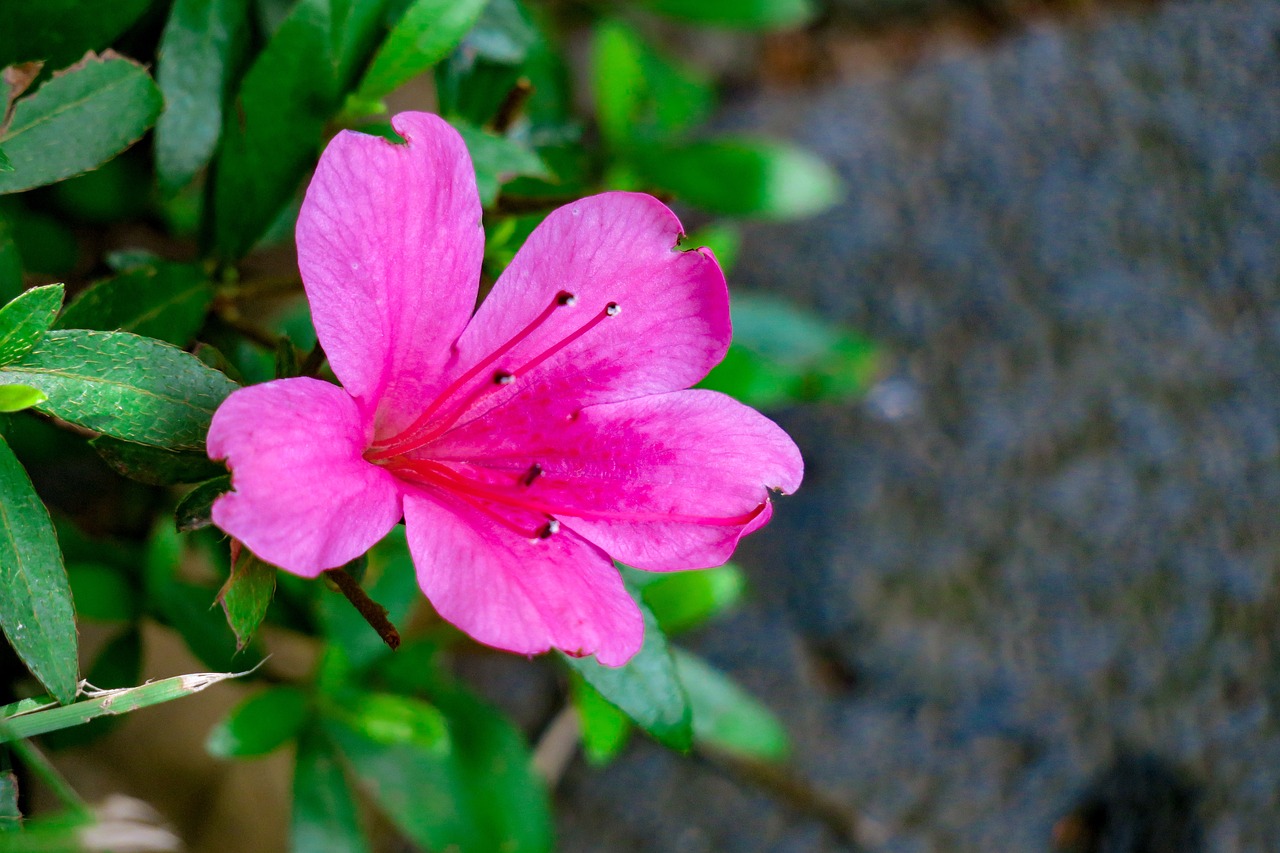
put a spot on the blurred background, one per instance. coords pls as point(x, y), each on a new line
point(1011, 278)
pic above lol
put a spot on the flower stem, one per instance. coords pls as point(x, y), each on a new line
point(373, 612)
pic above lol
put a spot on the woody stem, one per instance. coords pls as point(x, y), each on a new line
point(373, 612)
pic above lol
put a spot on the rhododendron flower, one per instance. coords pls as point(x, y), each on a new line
point(523, 446)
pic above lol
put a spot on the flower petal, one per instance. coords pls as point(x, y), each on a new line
point(671, 328)
point(303, 497)
point(390, 245)
point(517, 593)
point(665, 482)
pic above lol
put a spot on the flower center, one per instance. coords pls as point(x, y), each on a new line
point(452, 403)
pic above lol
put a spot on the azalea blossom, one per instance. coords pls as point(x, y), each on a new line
point(525, 447)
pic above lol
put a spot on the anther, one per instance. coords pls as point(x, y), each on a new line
point(613, 309)
point(551, 528)
point(502, 377)
point(535, 471)
point(566, 298)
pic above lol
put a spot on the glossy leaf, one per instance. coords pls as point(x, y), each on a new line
point(392, 720)
point(15, 398)
point(646, 688)
point(58, 32)
point(498, 159)
point(24, 321)
point(247, 594)
point(124, 386)
point(194, 67)
point(163, 301)
point(423, 35)
point(324, 817)
point(727, 717)
point(739, 14)
point(260, 724)
point(742, 177)
point(35, 611)
point(479, 794)
point(782, 353)
point(77, 121)
point(641, 95)
point(605, 729)
point(272, 136)
point(684, 600)
point(154, 466)
point(195, 510)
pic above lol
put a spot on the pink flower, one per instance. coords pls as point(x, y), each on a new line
point(522, 446)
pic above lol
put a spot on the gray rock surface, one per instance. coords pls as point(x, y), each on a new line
point(1051, 537)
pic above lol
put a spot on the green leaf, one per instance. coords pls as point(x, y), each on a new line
point(646, 688)
point(195, 510)
point(60, 31)
point(324, 818)
point(122, 385)
point(641, 95)
point(727, 717)
point(393, 720)
point(260, 724)
point(5, 164)
point(604, 728)
point(423, 35)
point(163, 301)
point(498, 159)
point(35, 611)
point(683, 600)
point(247, 594)
point(10, 262)
point(24, 321)
point(503, 34)
point(102, 592)
point(194, 67)
point(738, 14)
point(10, 814)
point(107, 702)
point(477, 794)
point(153, 465)
point(77, 121)
point(782, 353)
point(270, 138)
point(15, 398)
point(742, 177)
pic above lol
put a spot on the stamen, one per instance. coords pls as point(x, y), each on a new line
point(535, 471)
point(610, 310)
point(413, 437)
point(551, 528)
point(563, 299)
point(443, 476)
